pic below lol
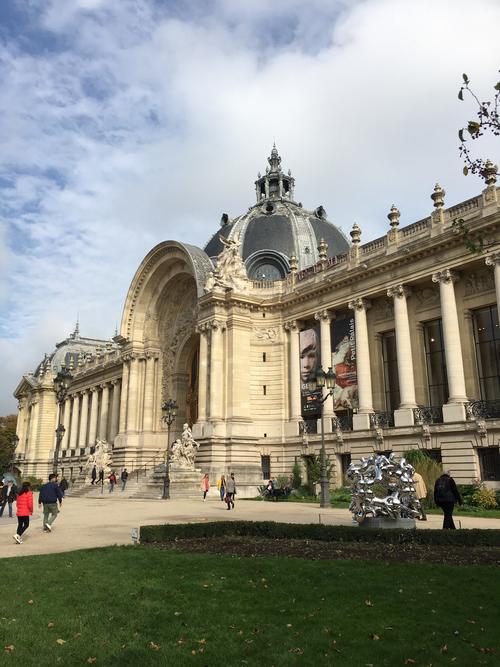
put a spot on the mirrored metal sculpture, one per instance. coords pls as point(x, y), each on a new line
point(382, 486)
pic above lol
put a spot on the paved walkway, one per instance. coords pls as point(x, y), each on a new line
point(97, 522)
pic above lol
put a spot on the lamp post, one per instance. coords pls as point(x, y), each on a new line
point(317, 381)
point(14, 443)
point(169, 409)
point(61, 386)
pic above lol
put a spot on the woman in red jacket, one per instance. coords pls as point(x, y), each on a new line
point(24, 510)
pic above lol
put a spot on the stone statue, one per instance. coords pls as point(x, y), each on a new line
point(101, 459)
point(394, 477)
point(231, 270)
point(184, 450)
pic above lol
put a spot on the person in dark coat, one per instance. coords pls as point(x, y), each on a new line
point(63, 485)
point(9, 494)
point(93, 475)
point(445, 496)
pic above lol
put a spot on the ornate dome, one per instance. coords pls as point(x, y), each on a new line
point(277, 228)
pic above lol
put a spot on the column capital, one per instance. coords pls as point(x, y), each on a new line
point(93, 390)
point(103, 385)
point(399, 291)
point(359, 304)
point(216, 325)
point(445, 276)
point(202, 328)
point(492, 259)
point(116, 381)
point(323, 316)
point(291, 325)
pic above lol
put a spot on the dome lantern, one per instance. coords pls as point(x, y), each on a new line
point(274, 184)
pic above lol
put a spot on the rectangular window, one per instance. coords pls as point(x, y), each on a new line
point(264, 390)
point(391, 377)
point(489, 462)
point(265, 462)
point(437, 381)
point(264, 356)
point(434, 454)
point(487, 344)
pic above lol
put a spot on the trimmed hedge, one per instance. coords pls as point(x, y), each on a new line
point(310, 531)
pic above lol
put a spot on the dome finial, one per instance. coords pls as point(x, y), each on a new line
point(274, 160)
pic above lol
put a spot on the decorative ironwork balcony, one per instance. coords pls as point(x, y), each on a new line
point(342, 420)
point(483, 409)
point(428, 414)
point(382, 419)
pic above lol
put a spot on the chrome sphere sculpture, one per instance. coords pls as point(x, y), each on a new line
point(394, 496)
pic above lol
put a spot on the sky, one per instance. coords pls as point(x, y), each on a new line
point(125, 123)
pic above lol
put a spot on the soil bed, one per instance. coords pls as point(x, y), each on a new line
point(316, 550)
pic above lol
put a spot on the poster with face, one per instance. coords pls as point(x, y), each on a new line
point(345, 392)
point(309, 348)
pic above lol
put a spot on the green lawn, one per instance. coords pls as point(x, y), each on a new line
point(141, 606)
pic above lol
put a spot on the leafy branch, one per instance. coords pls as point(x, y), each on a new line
point(487, 120)
point(473, 242)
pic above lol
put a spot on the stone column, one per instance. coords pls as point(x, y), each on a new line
point(115, 410)
point(294, 363)
point(103, 422)
point(82, 438)
point(124, 396)
point(324, 318)
point(361, 420)
point(31, 448)
point(216, 371)
point(132, 394)
point(403, 416)
point(203, 369)
point(94, 411)
point(66, 422)
point(494, 260)
point(73, 436)
point(149, 386)
point(454, 410)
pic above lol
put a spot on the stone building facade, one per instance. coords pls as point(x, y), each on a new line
point(408, 322)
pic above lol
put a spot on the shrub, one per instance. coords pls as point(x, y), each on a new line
point(484, 497)
point(341, 495)
point(311, 531)
point(296, 476)
point(428, 468)
point(35, 482)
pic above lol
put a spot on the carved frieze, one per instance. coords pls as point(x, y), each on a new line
point(481, 281)
point(383, 309)
point(269, 333)
point(426, 297)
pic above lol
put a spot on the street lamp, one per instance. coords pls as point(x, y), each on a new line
point(14, 443)
point(61, 386)
point(317, 381)
point(169, 409)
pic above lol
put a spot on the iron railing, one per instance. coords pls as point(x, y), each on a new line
point(482, 409)
point(428, 414)
point(342, 420)
point(382, 419)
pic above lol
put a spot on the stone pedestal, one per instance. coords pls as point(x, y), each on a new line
point(184, 483)
point(404, 417)
point(384, 522)
point(454, 412)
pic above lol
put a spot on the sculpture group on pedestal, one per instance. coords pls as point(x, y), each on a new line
point(382, 486)
point(101, 459)
point(184, 450)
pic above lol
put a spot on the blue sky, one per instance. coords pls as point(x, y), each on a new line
point(128, 122)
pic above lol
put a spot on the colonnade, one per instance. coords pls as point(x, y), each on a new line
point(211, 369)
point(454, 410)
point(90, 415)
point(139, 405)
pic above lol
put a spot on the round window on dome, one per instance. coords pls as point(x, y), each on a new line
point(267, 265)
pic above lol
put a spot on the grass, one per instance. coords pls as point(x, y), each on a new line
point(140, 606)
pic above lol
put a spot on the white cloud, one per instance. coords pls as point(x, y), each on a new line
point(132, 122)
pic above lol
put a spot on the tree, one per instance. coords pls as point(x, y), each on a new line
point(487, 121)
point(7, 433)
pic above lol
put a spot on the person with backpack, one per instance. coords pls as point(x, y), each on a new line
point(445, 496)
point(112, 481)
point(24, 510)
point(124, 478)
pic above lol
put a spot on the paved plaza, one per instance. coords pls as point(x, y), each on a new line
point(101, 521)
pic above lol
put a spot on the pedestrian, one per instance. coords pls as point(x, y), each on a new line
point(124, 478)
point(24, 509)
point(421, 493)
point(50, 495)
point(100, 479)
point(221, 485)
point(230, 491)
point(445, 496)
point(93, 475)
point(205, 486)
point(9, 494)
point(63, 485)
point(112, 482)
